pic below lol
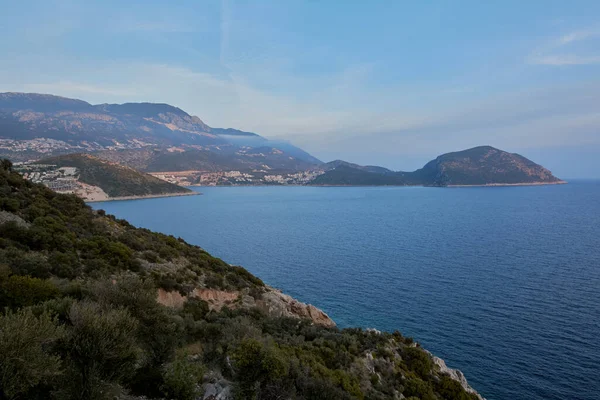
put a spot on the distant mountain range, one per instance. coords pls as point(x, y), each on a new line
point(159, 138)
point(483, 165)
point(43, 125)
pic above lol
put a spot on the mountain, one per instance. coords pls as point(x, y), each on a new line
point(345, 175)
point(366, 168)
point(112, 179)
point(37, 125)
point(483, 165)
point(181, 159)
point(95, 308)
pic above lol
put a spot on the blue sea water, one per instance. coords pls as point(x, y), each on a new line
point(501, 282)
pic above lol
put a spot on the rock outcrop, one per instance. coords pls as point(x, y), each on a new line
point(272, 301)
point(6, 216)
point(276, 303)
point(455, 374)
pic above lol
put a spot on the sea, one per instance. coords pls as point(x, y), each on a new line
point(503, 283)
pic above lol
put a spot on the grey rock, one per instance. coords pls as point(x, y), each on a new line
point(6, 216)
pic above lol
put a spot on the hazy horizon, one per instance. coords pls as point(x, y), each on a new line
point(386, 84)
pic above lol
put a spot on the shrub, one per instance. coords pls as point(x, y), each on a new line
point(181, 379)
point(452, 390)
point(257, 366)
point(197, 308)
point(102, 350)
point(419, 389)
point(11, 205)
point(418, 361)
point(18, 291)
point(158, 330)
point(26, 360)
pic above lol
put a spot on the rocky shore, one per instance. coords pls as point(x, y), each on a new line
point(277, 304)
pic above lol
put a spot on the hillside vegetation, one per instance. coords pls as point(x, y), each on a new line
point(115, 180)
point(80, 320)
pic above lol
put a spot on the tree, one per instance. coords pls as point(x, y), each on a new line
point(26, 360)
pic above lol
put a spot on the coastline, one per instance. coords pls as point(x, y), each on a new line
point(148, 196)
point(514, 184)
point(427, 186)
point(452, 186)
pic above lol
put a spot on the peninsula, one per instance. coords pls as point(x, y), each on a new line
point(94, 179)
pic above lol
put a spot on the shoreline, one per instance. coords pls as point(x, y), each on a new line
point(148, 196)
point(513, 184)
point(447, 186)
point(426, 186)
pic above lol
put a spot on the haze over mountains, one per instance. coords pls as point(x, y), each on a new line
point(80, 126)
point(159, 137)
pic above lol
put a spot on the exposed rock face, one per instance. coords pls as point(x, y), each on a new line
point(272, 301)
point(6, 216)
point(454, 374)
point(217, 391)
point(216, 299)
point(276, 303)
point(170, 299)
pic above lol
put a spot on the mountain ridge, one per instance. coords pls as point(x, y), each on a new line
point(72, 125)
point(158, 137)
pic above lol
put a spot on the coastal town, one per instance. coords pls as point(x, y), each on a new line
point(63, 179)
point(60, 179)
point(236, 178)
point(66, 179)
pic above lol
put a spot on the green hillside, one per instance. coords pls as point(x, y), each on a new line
point(80, 319)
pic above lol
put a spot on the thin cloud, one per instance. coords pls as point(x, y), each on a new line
point(77, 89)
point(576, 36)
point(553, 54)
point(565, 59)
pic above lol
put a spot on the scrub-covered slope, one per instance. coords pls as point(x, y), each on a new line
point(98, 309)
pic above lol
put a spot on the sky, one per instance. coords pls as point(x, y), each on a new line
point(391, 83)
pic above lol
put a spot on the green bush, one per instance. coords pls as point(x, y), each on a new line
point(418, 361)
point(196, 308)
point(102, 350)
point(182, 379)
point(26, 356)
point(19, 291)
point(11, 205)
point(257, 365)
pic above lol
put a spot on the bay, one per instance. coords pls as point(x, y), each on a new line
point(501, 282)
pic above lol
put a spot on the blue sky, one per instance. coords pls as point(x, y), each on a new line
point(393, 83)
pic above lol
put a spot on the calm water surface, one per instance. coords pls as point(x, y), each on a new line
point(503, 283)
